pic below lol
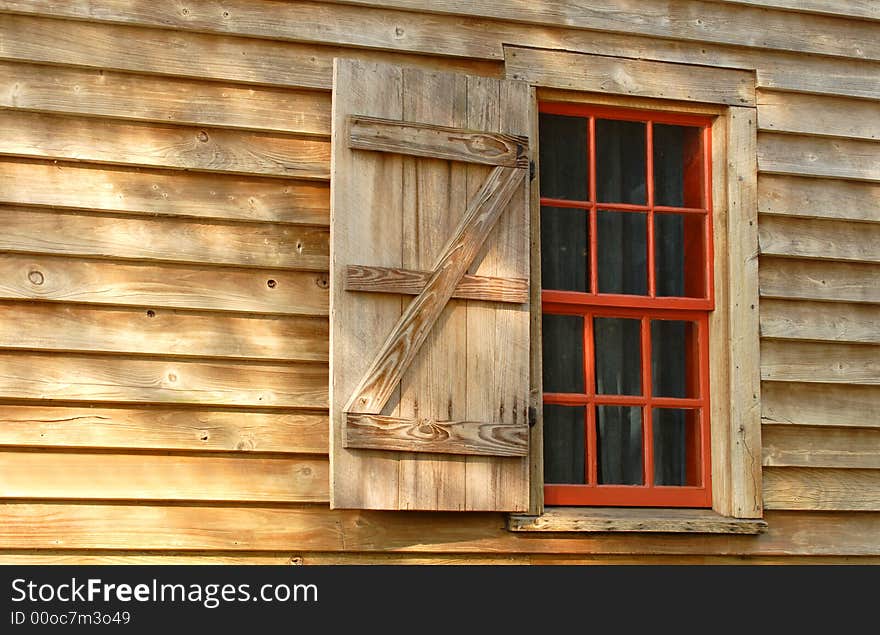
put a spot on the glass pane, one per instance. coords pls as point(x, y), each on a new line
point(678, 167)
point(619, 445)
point(563, 353)
point(679, 256)
point(674, 369)
point(563, 156)
point(617, 343)
point(676, 446)
point(565, 244)
point(622, 255)
point(621, 162)
point(564, 444)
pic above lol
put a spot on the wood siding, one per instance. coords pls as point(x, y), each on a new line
point(164, 191)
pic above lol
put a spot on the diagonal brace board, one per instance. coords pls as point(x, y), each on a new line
point(411, 331)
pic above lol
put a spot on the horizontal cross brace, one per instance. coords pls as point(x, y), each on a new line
point(438, 142)
point(411, 282)
point(377, 432)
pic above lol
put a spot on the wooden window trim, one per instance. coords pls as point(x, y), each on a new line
point(734, 373)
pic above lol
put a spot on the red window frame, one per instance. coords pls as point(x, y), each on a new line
point(695, 309)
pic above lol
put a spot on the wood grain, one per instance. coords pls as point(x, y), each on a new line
point(409, 282)
point(818, 156)
point(820, 239)
point(821, 489)
point(57, 278)
point(818, 198)
point(437, 142)
point(827, 281)
point(818, 115)
point(101, 93)
point(61, 326)
point(850, 8)
point(642, 78)
point(154, 145)
point(443, 437)
point(163, 428)
point(29, 230)
point(820, 362)
point(402, 345)
point(690, 521)
point(820, 404)
point(163, 193)
point(118, 476)
point(808, 446)
point(95, 379)
point(820, 321)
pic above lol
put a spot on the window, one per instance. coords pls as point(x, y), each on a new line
point(626, 290)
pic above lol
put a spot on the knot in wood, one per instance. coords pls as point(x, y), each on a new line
point(202, 136)
point(36, 277)
point(486, 146)
point(429, 430)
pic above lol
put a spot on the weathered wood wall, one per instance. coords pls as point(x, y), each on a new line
point(163, 342)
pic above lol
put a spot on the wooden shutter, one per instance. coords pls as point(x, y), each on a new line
point(429, 341)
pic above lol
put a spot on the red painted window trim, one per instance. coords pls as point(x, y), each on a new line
point(645, 308)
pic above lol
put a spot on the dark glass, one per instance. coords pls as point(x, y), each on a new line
point(676, 434)
point(622, 256)
point(621, 162)
point(672, 360)
point(563, 353)
point(618, 351)
point(678, 168)
point(565, 245)
point(563, 156)
point(679, 257)
point(619, 445)
point(564, 445)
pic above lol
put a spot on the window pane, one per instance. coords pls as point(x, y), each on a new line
point(622, 256)
point(617, 343)
point(565, 261)
point(563, 353)
point(676, 446)
point(564, 444)
point(678, 168)
point(621, 162)
point(679, 255)
point(563, 156)
point(674, 359)
point(619, 446)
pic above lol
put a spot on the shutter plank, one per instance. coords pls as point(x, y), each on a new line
point(411, 282)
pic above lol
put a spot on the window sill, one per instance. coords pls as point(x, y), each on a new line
point(619, 519)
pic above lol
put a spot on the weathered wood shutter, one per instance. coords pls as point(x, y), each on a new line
point(429, 303)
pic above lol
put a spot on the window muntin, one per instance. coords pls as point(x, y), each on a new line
point(626, 291)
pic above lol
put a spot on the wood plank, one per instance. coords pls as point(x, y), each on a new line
point(161, 193)
point(369, 558)
point(410, 282)
point(691, 521)
point(410, 332)
point(808, 446)
point(110, 557)
point(106, 476)
point(821, 489)
point(849, 8)
point(45, 136)
point(831, 281)
point(818, 115)
point(94, 378)
point(819, 239)
point(819, 362)
point(166, 100)
point(536, 397)
point(817, 156)
point(29, 230)
point(818, 198)
point(820, 404)
point(163, 429)
point(301, 529)
point(444, 437)
point(437, 142)
point(166, 52)
point(57, 278)
point(744, 375)
point(60, 326)
point(642, 78)
point(820, 321)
